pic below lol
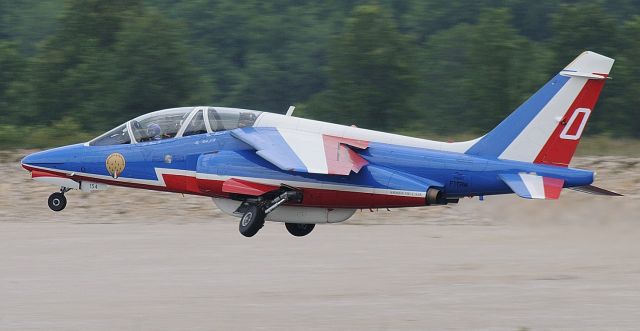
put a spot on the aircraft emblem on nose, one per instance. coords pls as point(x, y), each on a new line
point(115, 164)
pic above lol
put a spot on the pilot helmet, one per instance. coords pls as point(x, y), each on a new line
point(154, 130)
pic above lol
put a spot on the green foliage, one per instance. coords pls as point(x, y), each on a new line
point(620, 111)
point(10, 136)
point(439, 67)
point(11, 68)
point(27, 22)
point(371, 72)
point(152, 68)
point(581, 26)
point(63, 132)
point(502, 66)
point(475, 75)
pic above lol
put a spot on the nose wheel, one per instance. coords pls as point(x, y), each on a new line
point(57, 201)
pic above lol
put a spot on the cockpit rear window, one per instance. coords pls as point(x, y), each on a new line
point(117, 136)
point(222, 119)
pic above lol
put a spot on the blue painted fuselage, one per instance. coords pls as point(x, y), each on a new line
point(390, 167)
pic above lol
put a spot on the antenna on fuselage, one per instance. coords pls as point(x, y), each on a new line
point(290, 111)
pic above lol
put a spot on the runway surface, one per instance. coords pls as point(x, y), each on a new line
point(126, 260)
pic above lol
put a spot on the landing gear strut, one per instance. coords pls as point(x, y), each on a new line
point(57, 201)
point(254, 212)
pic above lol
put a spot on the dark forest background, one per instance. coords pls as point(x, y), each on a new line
point(71, 69)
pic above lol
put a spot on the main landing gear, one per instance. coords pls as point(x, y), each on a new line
point(254, 212)
point(57, 201)
point(299, 229)
point(252, 221)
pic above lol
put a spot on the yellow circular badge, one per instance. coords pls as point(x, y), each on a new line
point(115, 164)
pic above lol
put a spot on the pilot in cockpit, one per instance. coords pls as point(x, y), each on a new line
point(154, 131)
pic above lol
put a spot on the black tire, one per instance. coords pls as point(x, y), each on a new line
point(252, 221)
point(57, 201)
point(299, 229)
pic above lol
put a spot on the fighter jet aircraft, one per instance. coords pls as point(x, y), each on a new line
point(262, 166)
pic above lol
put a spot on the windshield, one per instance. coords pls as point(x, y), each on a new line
point(159, 125)
point(117, 136)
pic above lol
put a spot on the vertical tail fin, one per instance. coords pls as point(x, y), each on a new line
point(547, 127)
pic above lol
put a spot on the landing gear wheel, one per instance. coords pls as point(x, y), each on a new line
point(299, 229)
point(57, 201)
point(252, 221)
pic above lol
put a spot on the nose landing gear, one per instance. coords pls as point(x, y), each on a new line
point(57, 201)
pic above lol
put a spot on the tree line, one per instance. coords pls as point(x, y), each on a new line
point(71, 69)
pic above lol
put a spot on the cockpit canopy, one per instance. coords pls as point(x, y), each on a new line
point(175, 123)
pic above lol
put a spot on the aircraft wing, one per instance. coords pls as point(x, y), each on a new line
point(531, 186)
point(308, 152)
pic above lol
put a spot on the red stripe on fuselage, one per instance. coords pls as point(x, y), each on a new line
point(559, 151)
point(312, 197)
point(175, 183)
point(42, 173)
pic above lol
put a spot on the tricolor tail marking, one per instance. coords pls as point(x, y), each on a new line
point(548, 126)
point(532, 186)
point(562, 144)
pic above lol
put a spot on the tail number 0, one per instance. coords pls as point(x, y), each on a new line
point(575, 136)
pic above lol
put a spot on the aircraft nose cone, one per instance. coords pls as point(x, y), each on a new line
point(51, 158)
point(38, 158)
point(26, 161)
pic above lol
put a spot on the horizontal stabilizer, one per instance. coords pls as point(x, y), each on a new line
point(531, 186)
point(590, 189)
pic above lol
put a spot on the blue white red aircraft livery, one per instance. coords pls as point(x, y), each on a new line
point(261, 166)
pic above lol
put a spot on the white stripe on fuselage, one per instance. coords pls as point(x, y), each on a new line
point(152, 182)
point(189, 173)
point(343, 131)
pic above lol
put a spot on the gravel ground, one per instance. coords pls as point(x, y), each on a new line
point(136, 260)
